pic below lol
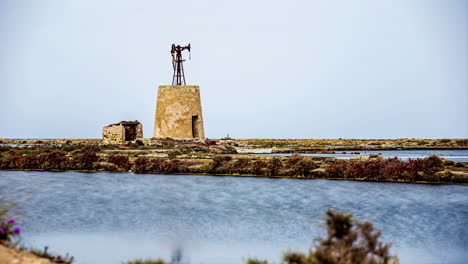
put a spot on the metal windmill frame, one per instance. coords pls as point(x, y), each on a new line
point(178, 77)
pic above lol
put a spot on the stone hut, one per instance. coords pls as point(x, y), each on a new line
point(121, 132)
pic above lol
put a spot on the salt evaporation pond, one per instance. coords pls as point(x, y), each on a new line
point(109, 218)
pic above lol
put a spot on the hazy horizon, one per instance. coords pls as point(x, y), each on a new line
point(266, 69)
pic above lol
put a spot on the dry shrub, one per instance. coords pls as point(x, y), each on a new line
point(389, 169)
point(173, 166)
point(141, 165)
point(120, 161)
point(337, 169)
point(274, 165)
point(241, 166)
point(85, 161)
point(17, 162)
point(259, 167)
point(217, 164)
point(301, 165)
point(432, 164)
point(55, 160)
point(444, 141)
point(462, 142)
point(293, 159)
point(160, 165)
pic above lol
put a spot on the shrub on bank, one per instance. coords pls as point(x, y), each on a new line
point(121, 161)
point(378, 169)
point(274, 165)
point(386, 169)
point(462, 142)
point(22, 161)
point(85, 161)
point(160, 165)
point(217, 164)
point(55, 160)
point(140, 165)
point(337, 169)
point(241, 166)
point(259, 167)
point(301, 165)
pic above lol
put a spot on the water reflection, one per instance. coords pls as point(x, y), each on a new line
point(109, 218)
point(177, 256)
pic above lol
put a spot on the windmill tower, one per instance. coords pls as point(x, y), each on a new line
point(178, 106)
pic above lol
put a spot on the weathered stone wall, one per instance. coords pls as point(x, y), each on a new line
point(139, 131)
point(178, 112)
point(113, 134)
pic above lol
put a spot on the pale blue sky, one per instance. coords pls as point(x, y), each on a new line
point(267, 69)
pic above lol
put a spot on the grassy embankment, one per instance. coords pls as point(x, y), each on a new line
point(195, 159)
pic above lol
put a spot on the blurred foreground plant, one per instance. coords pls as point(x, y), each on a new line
point(8, 231)
point(347, 242)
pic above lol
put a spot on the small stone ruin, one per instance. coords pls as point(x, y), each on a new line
point(122, 132)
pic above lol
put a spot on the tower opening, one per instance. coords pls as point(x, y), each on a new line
point(195, 132)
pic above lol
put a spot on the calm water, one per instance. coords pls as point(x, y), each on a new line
point(455, 155)
point(108, 218)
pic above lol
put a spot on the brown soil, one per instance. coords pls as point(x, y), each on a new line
point(12, 256)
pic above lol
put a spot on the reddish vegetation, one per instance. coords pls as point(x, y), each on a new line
point(386, 169)
point(375, 169)
point(121, 161)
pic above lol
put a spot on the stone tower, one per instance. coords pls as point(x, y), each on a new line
point(178, 112)
point(178, 107)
